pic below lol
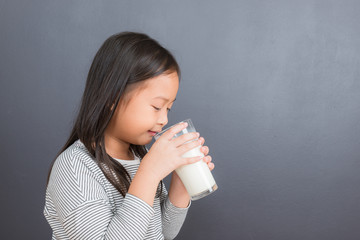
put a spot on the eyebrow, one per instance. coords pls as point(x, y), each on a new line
point(164, 98)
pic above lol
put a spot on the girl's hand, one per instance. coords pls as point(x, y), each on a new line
point(165, 155)
point(205, 151)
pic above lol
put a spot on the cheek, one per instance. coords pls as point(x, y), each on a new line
point(138, 117)
point(143, 117)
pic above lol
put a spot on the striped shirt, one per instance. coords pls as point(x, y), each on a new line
point(81, 203)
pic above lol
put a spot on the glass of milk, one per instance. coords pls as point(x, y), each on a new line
point(196, 177)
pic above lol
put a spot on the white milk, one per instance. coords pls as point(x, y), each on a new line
point(196, 177)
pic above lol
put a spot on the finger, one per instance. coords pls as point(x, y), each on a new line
point(189, 146)
point(185, 138)
point(191, 160)
point(207, 159)
point(202, 140)
point(211, 166)
point(205, 150)
point(169, 134)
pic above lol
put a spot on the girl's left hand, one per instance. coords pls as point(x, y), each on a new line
point(207, 158)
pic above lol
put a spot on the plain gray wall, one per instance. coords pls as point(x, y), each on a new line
point(273, 86)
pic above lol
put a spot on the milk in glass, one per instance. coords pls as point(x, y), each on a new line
point(196, 177)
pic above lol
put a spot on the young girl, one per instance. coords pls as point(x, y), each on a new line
point(104, 184)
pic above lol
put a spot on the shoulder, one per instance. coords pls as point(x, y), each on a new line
point(77, 152)
point(76, 158)
point(75, 180)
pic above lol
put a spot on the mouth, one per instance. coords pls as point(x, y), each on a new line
point(152, 133)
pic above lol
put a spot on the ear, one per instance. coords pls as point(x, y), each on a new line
point(112, 107)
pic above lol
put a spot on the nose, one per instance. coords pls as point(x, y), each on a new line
point(163, 119)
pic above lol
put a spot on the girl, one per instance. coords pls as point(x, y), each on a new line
point(104, 184)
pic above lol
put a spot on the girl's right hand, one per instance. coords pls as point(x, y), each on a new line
point(165, 155)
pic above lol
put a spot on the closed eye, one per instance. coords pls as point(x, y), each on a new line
point(158, 109)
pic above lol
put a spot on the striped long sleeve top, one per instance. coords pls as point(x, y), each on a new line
point(81, 203)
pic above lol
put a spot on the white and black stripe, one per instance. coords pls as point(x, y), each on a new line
point(81, 203)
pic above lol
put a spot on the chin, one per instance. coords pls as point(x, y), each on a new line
point(146, 142)
point(143, 142)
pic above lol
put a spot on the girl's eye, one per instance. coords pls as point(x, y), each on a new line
point(158, 109)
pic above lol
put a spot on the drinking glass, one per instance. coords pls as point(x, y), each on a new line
point(196, 177)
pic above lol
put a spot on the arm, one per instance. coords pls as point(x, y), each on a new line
point(174, 207)
point(81, 208)
point(178, 195)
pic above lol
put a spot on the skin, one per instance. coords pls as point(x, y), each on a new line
point(131, 124)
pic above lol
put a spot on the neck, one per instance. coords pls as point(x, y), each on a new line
point(117, 148)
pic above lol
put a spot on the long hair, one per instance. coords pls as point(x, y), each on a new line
point(124, 59)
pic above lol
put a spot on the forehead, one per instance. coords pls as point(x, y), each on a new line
point(165, 85)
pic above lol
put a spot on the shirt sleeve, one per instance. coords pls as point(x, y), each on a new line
point(172, 216)
point(83, 209)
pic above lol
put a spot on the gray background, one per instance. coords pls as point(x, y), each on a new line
point(273, 86)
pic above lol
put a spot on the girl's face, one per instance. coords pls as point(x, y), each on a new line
point(146, 111)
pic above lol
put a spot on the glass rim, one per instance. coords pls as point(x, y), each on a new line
point(160, 133)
